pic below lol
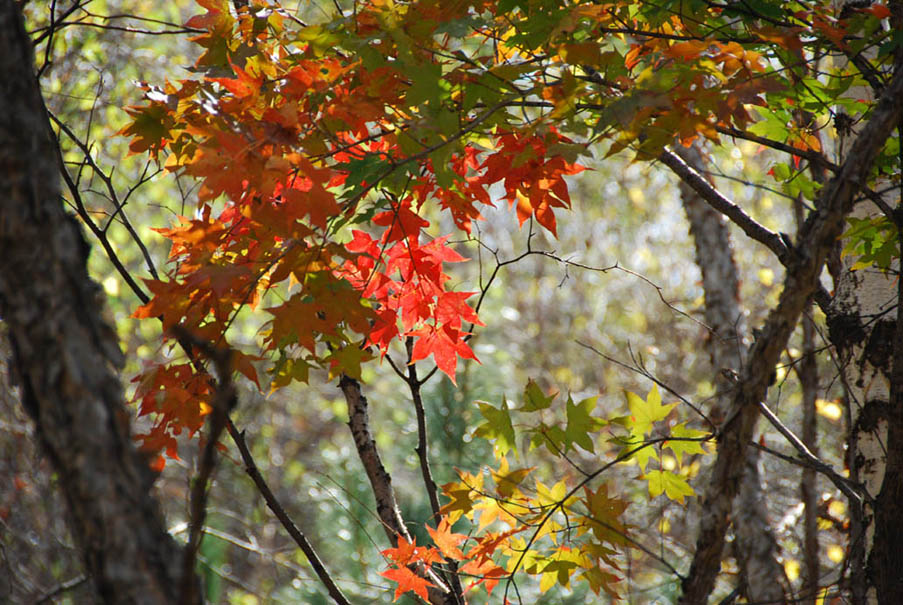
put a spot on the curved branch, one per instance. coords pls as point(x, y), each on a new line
point(813, 156)
point(719, 202)
point(755, 230)
point(423, 455)
point(114, 197)
point(223, 402)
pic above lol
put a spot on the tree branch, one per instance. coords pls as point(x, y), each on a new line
point(814, 157)
point(289, 525)
point(380, 481)
point(114, 197)
point(812, 461)
point(755, 230)
point(719, 202)
point(414, 384)
point(224, 401)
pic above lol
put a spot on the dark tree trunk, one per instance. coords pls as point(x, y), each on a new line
point(66, 357)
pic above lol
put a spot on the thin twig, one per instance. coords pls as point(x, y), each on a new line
point(61, 588)
point(642, 371)
point(850, 489)
point(113, 196)
point(422, 450)
point(224, 401)
point(422, 440)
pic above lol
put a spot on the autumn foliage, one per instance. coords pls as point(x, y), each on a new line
point(319, 149)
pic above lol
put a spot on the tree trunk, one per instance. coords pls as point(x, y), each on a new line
point(807, 370)
point(756, 547)
point(862, 331)
point(866, 329)
point(65, 355)
point(804, 267)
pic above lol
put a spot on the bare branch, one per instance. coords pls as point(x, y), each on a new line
point(300, 539)
point(423, 456)
point(113, 196)
point(224, 401)
point(849, 488)
point(716, 199)
point(755, 230)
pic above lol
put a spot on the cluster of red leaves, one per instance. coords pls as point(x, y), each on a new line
point(405, 279)
point(410, 564)
point(532, 177)
point(295, 143)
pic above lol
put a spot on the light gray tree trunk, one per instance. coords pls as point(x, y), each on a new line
point(862, 326)
point(66, 357)
point(866, 329)
point(756, 548)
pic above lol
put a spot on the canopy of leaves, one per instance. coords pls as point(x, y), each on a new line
point(322, 147)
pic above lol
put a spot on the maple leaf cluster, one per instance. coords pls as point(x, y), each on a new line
point(326, 154)
point(295, 142)
point(407, 558)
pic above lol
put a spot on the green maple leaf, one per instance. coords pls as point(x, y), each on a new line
point(286, 370)
point(680, 448)
point(558, 570)
point(535, 399)
point(580, 423)
point(347, 360)
point(670, 484)
point(498, 427)
point(552, 437)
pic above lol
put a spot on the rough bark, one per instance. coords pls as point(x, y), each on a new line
point(808, 373)
point(862, 331)
point(66, 355)
point(807, 370)
point(381, 482)
point(804, 266)
point(885, 561)
point(867, 332)
point(756, 547)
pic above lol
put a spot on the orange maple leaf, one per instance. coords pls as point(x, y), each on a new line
point(407, 581)
point(446, 540)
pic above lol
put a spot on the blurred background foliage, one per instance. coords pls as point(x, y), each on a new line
point(645, 307)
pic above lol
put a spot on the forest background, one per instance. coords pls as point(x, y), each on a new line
point(605, 304)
